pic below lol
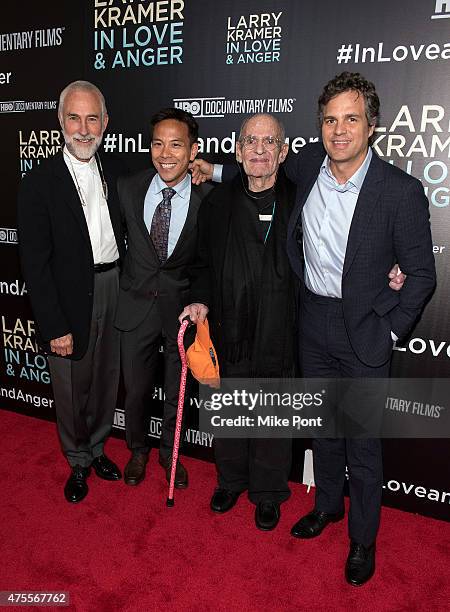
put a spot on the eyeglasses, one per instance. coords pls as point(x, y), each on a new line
point(269, 142)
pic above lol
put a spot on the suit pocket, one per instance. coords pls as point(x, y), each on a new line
point(385, 301)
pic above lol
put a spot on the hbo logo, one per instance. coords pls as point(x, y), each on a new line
point(191, 106)
point(6, 107)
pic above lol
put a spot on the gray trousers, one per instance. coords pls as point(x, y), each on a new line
point(85, 390)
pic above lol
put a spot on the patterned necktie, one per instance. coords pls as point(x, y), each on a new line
point(159, 231)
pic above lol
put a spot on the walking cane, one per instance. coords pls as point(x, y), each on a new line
point(176, 440)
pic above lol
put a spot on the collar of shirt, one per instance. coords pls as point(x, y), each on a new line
point(354, 183)
point(182, 188)
point(80, 166)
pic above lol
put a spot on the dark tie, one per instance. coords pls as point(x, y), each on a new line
point(159, 231)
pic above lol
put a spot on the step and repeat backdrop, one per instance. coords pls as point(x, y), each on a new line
point(222, 61)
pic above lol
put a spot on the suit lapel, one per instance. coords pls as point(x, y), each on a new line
point(197, 194)
point(365, 205)
point(303, 189)
point(141, 188)
point(70, 194)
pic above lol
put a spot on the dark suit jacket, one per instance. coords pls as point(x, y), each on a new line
point(390, 225)
point(143, 278)
point(55, 249)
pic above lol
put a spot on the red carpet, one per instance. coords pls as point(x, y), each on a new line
point(122, 549)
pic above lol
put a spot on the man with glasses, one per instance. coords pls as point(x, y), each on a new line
point(243, 277)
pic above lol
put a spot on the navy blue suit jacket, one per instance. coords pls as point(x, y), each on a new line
point(390, 225)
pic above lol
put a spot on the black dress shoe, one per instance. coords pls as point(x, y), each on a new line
point(360, 565)
point(314, 523)
point(135, 469)
point(106, 469)
point(76, 487)
point(267, 515)
point(223, 500)
point(181, 475)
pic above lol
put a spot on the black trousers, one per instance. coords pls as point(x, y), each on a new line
point(85, 390)
point(139, 351)
point(326, 352)
point(259, 465)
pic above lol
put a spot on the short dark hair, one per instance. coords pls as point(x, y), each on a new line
point(178, 115)
point(351, 81)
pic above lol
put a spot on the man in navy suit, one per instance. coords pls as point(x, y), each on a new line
point(355, 216)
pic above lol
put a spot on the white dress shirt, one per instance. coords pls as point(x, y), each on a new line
point(326, 219)
point(88, 183)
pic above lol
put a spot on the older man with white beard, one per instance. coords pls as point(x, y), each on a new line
point(71, 243)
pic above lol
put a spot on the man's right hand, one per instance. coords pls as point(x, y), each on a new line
point(196, 312)
point(397, 278)
point(62, 346)
point(201, 171)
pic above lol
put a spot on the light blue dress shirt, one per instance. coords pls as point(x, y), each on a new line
point(326, 220)
point(180, 207)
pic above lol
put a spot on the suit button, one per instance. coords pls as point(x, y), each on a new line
point(90, 294)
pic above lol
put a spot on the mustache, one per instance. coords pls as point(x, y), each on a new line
point(79, 136)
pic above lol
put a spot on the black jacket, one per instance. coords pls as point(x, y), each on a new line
point(55, 249)
point(207, 284)
point(143, 278)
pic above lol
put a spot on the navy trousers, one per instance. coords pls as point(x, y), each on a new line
point(326, 352)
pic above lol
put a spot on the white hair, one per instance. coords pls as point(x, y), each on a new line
point(81, 86)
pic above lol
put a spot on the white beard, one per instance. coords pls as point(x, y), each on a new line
point(82, 151)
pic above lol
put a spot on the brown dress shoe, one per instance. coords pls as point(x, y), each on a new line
point(135, 469)
point(181, 475)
